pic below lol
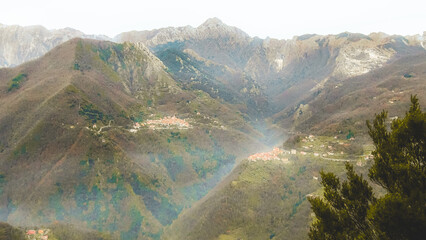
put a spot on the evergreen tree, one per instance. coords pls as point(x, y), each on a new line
point(343, 213)
point(399, 167)
point(350, 210)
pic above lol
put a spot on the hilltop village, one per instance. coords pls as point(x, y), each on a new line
point(324, 147)
point(327, 148)
point(275, 154)
point(163, 123)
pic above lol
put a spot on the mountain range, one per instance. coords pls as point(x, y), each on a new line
point(144, 136)
point(267, 74)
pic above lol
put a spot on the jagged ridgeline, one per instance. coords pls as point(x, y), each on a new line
point(70, 151)
point(132, 139)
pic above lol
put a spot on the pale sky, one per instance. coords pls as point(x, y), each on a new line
point(277, 19)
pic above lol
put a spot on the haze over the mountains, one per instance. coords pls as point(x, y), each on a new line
point(19, 44)
point(147, 135)
point(268, 18)
point(269, 75)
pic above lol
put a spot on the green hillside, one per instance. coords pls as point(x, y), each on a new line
point(70, 155)
point(150, 139)
point(258, 200)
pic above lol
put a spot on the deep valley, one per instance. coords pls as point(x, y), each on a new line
point(188, 133)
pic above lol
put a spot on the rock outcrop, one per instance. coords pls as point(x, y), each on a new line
point(21, 44)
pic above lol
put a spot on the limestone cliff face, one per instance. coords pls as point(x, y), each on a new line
point(211, 29)
point(277, 69)
point(282, 71)
point(345, 54)
point(348, 54)
point(21, 44)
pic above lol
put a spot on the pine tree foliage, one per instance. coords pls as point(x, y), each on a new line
point(349, 210)
point(343, 213)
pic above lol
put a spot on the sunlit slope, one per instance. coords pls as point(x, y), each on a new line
point(67, 152)
point(258, 200)
point(344, 105)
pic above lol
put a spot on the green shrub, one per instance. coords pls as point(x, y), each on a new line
point(104, 54)
point(15, 83)
point(407, 75)
point(91, 113)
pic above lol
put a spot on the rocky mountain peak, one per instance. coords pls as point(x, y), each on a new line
point(212, 28)
point(21, 44)
point(213, 22)
point(215, 28)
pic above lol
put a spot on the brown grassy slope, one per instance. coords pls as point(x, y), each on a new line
point(68, 231)
point(340, 106)
point(42, 111)
point(36, 121)
point(21, 108)
point(8, 232)
point(258, 200)
point(54, 166)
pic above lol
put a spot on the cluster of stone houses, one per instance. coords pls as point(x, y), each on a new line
point(330, 152)
point(169, 122)
point(267, 156)
point(163, 123)
point(40, 234)
point(326, 152)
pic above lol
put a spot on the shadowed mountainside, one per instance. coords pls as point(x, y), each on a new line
point(268, 75)
point(342, 106)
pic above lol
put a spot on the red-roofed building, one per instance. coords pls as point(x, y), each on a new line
point(273, 155)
